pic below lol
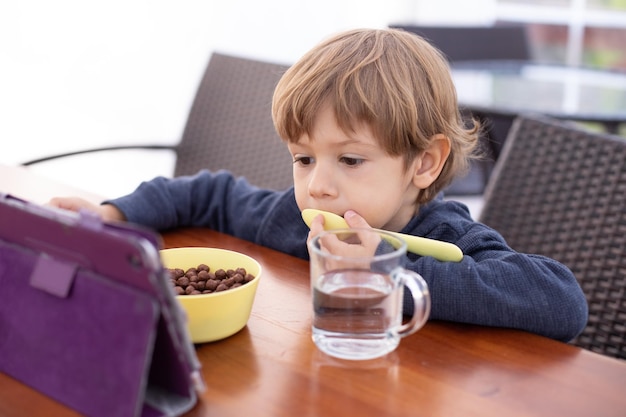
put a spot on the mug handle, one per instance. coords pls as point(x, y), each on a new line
point(421, 300)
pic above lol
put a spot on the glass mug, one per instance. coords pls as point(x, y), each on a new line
point(357, 283)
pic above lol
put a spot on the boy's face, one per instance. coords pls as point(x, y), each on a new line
point(336, 171)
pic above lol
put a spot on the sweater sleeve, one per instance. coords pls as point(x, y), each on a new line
point(494, 285)
point(220, 202)
point(215, 200)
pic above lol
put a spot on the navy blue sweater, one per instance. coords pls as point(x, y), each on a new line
point(492, 286)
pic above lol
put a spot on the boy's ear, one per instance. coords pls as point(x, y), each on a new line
point(429, 164)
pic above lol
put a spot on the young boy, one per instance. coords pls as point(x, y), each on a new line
point(371, 120)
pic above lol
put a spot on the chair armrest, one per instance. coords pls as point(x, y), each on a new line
point(106, 148)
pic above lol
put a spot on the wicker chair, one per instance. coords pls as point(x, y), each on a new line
point(229, 125)
point(560, 191)
point(471, 43)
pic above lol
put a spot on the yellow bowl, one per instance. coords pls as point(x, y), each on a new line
point(221, 314)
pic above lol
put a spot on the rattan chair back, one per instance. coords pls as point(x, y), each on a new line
point(476, 43)
point(230, 124)
point(560, 191)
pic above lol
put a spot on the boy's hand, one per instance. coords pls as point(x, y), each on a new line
point(107, 212)
point(366, 247)
point(351, 217)
point(355, 220)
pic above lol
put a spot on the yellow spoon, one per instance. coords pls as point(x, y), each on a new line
point(439, 250)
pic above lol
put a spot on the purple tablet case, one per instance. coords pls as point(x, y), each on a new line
point(87, 315)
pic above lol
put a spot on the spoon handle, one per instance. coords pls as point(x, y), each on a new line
point(443, 251)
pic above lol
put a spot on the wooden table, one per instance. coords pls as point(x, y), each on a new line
point(272, 368)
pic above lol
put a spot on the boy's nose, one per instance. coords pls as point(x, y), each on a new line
point(321, 183)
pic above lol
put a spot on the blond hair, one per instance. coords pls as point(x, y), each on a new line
point(394, 81)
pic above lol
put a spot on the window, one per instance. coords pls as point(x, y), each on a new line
point(576, 32)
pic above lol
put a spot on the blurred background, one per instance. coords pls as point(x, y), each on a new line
point(78, 74)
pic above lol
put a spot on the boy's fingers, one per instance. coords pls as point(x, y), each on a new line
point(355, 220)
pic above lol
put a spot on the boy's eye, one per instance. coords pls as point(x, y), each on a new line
point(351, 161)
point(303, 160)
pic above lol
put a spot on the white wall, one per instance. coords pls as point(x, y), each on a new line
point(78, 74)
